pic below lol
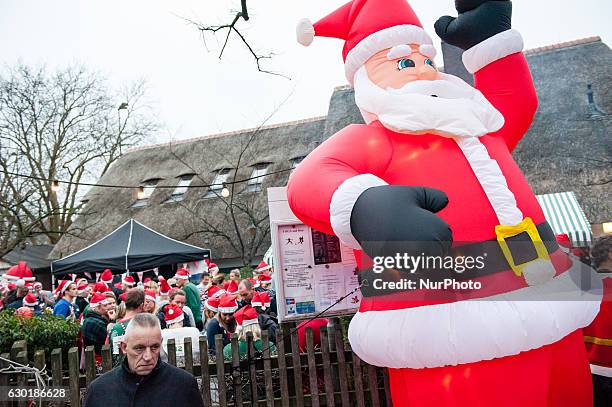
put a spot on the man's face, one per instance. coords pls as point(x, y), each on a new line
point(226, 318)
point(71, 290)
point(102, 309)
point(181, 282)
point(149, 306)
point(141, 348)
point(179, 300)
point(205, 280)
point(245, 294)
point(402, 88)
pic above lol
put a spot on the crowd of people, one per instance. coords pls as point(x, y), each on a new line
point(186, 305)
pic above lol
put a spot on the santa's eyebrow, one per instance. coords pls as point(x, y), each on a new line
point(399, 51)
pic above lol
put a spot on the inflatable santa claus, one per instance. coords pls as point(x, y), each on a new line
point(431, 175)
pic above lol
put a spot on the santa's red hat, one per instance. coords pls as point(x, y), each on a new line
point(265, 299)
point(253, 281)
point(182, 274)
point(98, 299)
point(82, 285)
point(263, 266)
point(367, 27)
point(150, 295)
point(214, 291)
point(63, 286)
point(129, 281)
point(232, 288)
point(30, 300)
point(147, 280)
point(107, 276)
point(256, 300)
point(164, 287)
point(37, 284)
point(122, 296)
point(117, 284)
point(213, 268)
point(264, 278)
point(100, 287)
point(212, 304)
point(246, 316)
point(227, 304)
point(173, 314)
point(21, 271)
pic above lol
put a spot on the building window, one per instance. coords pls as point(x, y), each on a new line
point(257, 177)
point(183, 185)
point(148, 188)
point(217, 185)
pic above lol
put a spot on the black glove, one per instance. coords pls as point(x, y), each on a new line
point(477, 21)
point(392, 219)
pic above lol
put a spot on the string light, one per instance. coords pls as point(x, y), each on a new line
point(141, 193)
point(225, 192)
point(55, 186)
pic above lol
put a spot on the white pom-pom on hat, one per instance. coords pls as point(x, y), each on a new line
point(305, 32)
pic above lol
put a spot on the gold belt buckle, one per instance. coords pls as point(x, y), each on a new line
point(503, 232)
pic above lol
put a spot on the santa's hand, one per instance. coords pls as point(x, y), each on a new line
point(391, 219)
point(477, 21)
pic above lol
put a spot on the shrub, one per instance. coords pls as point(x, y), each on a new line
point(45, 332)
point(246, 272)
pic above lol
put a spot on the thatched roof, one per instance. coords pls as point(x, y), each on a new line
point(567, 148)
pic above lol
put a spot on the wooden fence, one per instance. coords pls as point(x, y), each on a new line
point(331, 375)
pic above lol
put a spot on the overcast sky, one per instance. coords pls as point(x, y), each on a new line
point(193, 92)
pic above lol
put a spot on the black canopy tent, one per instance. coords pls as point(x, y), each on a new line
point(130, 247)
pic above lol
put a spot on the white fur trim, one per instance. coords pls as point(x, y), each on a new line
point(476, 330)
point(211, 308)
point(175, 320)
point(601, 370)
point(304, 32)
point(383, 39)
point(30, 304)
point(150, 298)
point(428, 50)
point(492, 180)
point(538, 272)
point(248, 322)
point(228, 310)
point(181, 277)
point(497, 47)
point(342, 203)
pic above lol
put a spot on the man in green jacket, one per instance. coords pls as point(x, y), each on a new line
point(193, 295)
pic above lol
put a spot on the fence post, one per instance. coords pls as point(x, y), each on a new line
point(358, 376)
point(312, 369)
point(17, 347)
point(327, 369)
point(220, 370)
point(265, 339)
point(373, 386)
point(236, 376)
point(171, 351)
point(90, 365)
point(387, 387)
point(188, 348)
point(73, 377)
point(107, 358)
point(4, 377)
point(204, 371)
point(252, 369)
point(342, 368)
point(22, 379)
point(56, 368)
point(297, 369)
point(282, 368)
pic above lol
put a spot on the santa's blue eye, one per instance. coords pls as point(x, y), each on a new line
point(405, 63)
point(430, 62)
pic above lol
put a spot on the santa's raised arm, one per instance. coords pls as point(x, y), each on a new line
point(433, 166)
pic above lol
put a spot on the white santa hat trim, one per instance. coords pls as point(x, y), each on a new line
point(490, 50)
point(481, 329)
point(228, 310)
point(342, 203)
point(175, 320)
point(380, 40)
point(248, 322)
point(305, 32)
point(150, 298)
point(30, 304)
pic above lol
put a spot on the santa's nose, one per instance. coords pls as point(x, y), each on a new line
point(426, 73)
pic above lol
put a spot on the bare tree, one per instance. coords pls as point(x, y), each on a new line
point(232, 27)
point(68, 126)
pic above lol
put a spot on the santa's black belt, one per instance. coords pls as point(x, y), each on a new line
point(488, 252)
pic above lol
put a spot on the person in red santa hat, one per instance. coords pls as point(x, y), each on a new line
point(66, 293)
point(150, 302)
point(192, 295)
point(45, 298)
point(82, 296)
point(107, 277)
point(247, 321)
point(31, 302)
point(211, 308)
point(431, 176)
point(223, 323)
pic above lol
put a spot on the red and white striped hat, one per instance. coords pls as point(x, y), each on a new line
point(246, 316)
point(30, 300)
point(173, 314)
point(150, 295)
point(256, 300)
point(227, 304)
point(107, 276)
point(182, 274)
point(212, 304)
point(98, 299)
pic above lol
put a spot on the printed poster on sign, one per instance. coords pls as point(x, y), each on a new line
point(294, 244)
point(299, 290)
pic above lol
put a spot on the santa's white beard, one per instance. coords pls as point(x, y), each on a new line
point(458, 110)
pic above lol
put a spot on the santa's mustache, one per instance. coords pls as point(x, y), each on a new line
point(442, 88)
